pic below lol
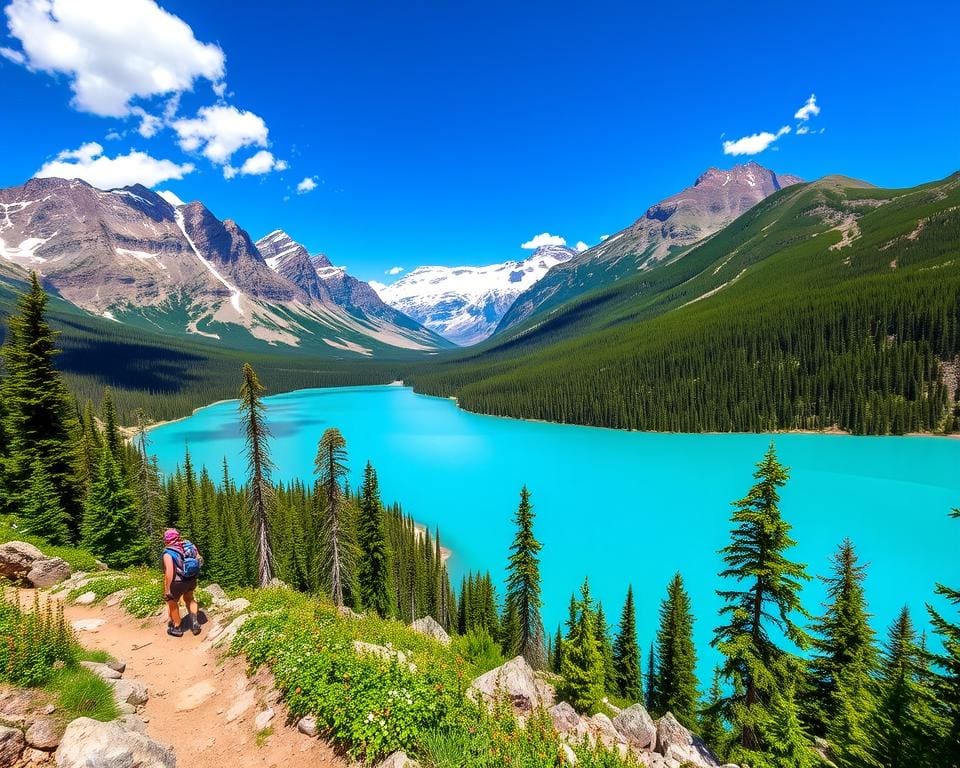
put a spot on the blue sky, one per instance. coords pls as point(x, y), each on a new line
point(450, 133)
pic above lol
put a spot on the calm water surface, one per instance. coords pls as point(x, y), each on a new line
point(621, 507)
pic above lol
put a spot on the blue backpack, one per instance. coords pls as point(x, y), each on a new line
point(187, 566)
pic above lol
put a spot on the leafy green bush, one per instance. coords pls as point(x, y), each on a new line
point(479, 649)
point(34, 641)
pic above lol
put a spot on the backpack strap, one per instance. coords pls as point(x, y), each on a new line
point(177, 560)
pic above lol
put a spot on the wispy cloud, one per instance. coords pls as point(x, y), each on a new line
point(544, 238)
point(809, 109)
point(307, 185)
point(753, 144)
point(393, 271)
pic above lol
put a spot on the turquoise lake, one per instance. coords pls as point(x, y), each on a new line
point(621, 507)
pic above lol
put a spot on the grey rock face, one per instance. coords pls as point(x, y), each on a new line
point(675, 742)
point(12, 745)
point(428, 626)
point(49, 571)
point(637, 727)
point(514, 682)
point(89, 742)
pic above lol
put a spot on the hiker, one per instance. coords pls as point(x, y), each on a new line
point(181, 566)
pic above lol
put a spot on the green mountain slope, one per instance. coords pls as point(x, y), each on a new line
point(830, 304)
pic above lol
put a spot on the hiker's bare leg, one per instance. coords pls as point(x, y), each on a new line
point(190, 602)
point(173, 607)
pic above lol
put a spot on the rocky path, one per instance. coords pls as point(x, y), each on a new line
point(205, 707)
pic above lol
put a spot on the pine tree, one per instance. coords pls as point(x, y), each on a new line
point(946, 680)
point(843, 642)
point(901, 726)
point(374, 569)
point(789, 744)
point(41, 514)
point(259, 488)
point(755, 665)
point(583, 673)
point(523, 589)
point(626, 653)
point(651, 682)
point(111, 528)
point(557, 665)
point(330, 469)
point(606, 650)
point(710, 724)
point(39, 419)
point(676, 679)
point(148, 481)
point(111, 432)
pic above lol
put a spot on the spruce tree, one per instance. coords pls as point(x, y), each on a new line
point(843, 642)
point(374, 569)
point(766, 596)
point(902, 724)
point(710, 724)
point(789, 744)
point(582, 669)
point(330, 469)
point(111, 431)
point(526, 636)
point(41, 514)
point(675, 687)
point(111, 527)
point(148, 482)
point(259, 489)
point(946, 680)
point(626, 653)
point(606, 650)
point(651, 682)
point(40, 423)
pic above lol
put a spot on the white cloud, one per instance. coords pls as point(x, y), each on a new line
point(112, 51)
point(394, 271)
point(150, 125)
point(307, 185)
point(802, 130)
point(581, 246)
point(90, 164)
point(753, 144)
point(544, 238)
point(259, 164)
point(171, 197)
point(808, 110)
point(604, 237)
point(11, 55)
point(377, 285)
point(219, 131)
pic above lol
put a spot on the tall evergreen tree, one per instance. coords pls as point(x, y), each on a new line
point(41, 513)
point(675, 687)
point(148, 482)
point(710, 724)
point(39, 420)
point(946, 681)
point(583, 672)
point(523, 589)
point(767, 595)
point(651, 681)
point(626, 653)
point(111, 528)
point(843, 642)
point(606, 650)
point(111, 431)
point(901, 726)
point(259, 487)
point(330, 469)
point(789, 743)
point(374, 569)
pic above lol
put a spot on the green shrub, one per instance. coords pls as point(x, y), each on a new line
point(81, 693)
point(34, 641)
point(479, 649)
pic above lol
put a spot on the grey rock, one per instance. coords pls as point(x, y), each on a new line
point(43, 734)
point(222, 635)
point(428, 626)
point(12, 744)
point(118, 665)
point(87, 743)
point(87, 598)
point(133, 723)
point(308, 725)
point(637, 727)
point(235, 606)
point(263, 719)
point(515, 682)
point(398, 759)
point(17, 558)
point(47, 572)
point(602, 730)
point(216, 593)
point(567, 722)
point(677, 743)
point(104, 671)
point(131, 692)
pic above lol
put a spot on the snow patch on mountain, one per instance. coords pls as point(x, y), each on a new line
point(465, 304)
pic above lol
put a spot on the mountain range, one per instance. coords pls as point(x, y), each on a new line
point(466, 304)
point(132, 257)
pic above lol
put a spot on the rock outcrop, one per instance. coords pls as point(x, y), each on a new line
point(637, 727)
point(88, 743)
point(677, 743)
point(428, 626)
point(12, 745)
point(515, 682)
point(24, 563)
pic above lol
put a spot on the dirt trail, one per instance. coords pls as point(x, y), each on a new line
point(204, 708)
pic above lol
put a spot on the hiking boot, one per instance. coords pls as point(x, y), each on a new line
point(194, 624)
point(174, 631)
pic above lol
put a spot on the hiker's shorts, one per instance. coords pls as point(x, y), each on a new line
point(179, 588)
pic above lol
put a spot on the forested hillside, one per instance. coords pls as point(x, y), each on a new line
point(828, 305)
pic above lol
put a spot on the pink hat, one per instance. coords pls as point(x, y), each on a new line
point(171, 535)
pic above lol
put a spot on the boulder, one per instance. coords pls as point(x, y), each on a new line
point(87, 598)
point(362, 648)
point(87, 625)
point(602, 730)
point(47, 572)
point(235, 606)
point(89, 742)
point(637, 727)
point(12, 745)
point(567, 722)
point(133, 723)
point(308, 725)
point(222, 635)
point(398, 760)
point(104, 671)
point(33, 757)
point(43, 734)
point(17, 558)
point(515, 682)
point(118, 664)
point(676, 743)
point(216, 593)
point(348, 613)
point(131, 692)
point(428, 626)
point(263, 719)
